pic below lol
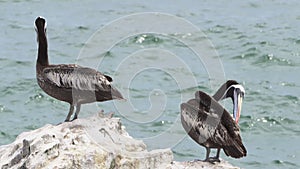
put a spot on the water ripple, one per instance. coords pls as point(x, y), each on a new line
point(147, 39)
point(271, 124)
point(284, 163)
point(271, 59)
point(16, 87)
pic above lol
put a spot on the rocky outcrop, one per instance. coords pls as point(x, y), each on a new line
point(95, 142)
point(200, 164)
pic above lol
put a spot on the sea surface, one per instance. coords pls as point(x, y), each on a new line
point(159, 53)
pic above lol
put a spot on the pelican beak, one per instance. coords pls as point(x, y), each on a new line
point(238, 99)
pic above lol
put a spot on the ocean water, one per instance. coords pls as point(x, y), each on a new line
point(158, 65)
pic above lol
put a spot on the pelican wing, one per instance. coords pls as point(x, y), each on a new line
point(197, 120)
point(213, 108)
point(76, 77)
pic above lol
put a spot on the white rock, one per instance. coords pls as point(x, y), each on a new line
point(200, 164)
point(94, 142)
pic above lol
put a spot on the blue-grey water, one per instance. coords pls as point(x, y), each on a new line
point(258, 43)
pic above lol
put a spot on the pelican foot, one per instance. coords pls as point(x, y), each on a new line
point(212, 160)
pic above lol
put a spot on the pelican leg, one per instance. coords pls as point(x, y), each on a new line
point(212, 159)
point(70, 113)
point(216, 158)
point(218, 153)
point(77, 111)
point(207, 154)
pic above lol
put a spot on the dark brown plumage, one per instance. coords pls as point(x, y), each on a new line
point(70, 83)
point(210, 125)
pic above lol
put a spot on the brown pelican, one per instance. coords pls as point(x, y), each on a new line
point(211, 126)
point(70, 83)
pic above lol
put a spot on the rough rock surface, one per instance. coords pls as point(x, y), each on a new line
point(200, 164)
point(94, 142)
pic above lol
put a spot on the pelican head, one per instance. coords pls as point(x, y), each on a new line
point(238, 96)
point(40, 25)
point(236, 92)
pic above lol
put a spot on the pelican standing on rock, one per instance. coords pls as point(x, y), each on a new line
point(211, 126)
point(70, 83)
